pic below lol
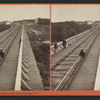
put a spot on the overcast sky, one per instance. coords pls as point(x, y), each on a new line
point(62, 13)
point(19, 12)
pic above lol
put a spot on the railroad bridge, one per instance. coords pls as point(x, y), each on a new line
point(18, 68)
point(69, 71)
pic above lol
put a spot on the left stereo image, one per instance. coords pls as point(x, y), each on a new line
point(24, 47)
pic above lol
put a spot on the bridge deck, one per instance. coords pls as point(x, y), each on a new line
point(9, 67)
point(85, 77)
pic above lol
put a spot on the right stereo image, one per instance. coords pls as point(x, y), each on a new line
point(75, 47)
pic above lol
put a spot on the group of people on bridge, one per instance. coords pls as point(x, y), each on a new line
point(56, 46)
point(81, 54)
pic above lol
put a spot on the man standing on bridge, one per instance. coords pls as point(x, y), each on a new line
point(55, 47)
point(64, 43)
point(82, 53)
point(1, 54)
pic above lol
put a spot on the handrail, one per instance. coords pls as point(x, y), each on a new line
point(19, 68)
point(97, 80)
point(75, 65)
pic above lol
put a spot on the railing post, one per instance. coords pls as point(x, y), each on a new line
point(19, 68)
point(97, 80)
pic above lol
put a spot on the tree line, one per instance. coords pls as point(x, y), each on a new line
point(4, 27)
point(64, 30)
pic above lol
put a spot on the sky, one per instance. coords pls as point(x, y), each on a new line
point(19, 12)
point(85, 12)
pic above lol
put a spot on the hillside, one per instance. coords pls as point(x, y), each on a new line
point(43, 31)
point(4, 27)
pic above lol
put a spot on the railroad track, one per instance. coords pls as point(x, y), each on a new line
point(63, 69)
point(6, 41)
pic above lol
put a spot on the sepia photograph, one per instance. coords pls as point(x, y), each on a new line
point(24, 47)
point(75, 47)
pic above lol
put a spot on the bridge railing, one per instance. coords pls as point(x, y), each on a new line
point(69, 41)
point(97, 81)
point(75, 67)
point(22, 69)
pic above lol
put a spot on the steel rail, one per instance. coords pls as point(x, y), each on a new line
point(97, 80)
point(19, 68)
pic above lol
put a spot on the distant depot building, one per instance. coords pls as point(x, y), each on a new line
point(42, 21)
point(80, 22)
point(96, 23)
point(88, 22)
point(6, 22)
point(85, 22)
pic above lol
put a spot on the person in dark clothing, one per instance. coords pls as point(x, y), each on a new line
point(55, 47)
point(64, 43)
point(20, 42)
point(2, 53)
point(82, 53)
